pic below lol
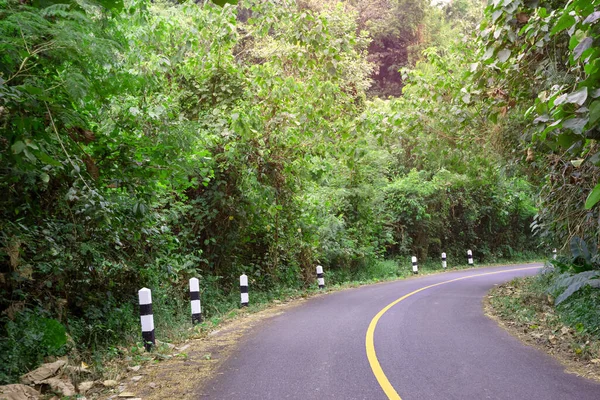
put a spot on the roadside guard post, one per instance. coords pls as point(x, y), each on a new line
point(444, 260)
point(244, 290)
point(415, 267)
point(195, 301)
point(470, 257)
point(146, 317)
point(320, 278)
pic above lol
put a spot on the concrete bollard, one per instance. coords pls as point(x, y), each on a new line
point(444, 260)
point(320, 278)
point(415, 267)
point(195, 301)
point(554, 253)
point(470, 257)
point(146, 317)
point(244, 290)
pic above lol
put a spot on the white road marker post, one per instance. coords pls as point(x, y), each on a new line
point(320, 278)
point(444, 265)
point(470, 257)
point(195, 301)
point(244, 290)
point(415, 267)
point(554, 254)
point(146, 317)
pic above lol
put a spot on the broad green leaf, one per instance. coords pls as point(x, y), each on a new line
point(593, 17)
point(503, 55)
point(223, 2)
point(593, 197)
point(581, 47)
point(575, 124)
point(565, 22)
point(594, 112)
point(595, 159)
point(45, 158)
point(566, 140)
point(18, 147)
point(489, 52)
point(578, 97)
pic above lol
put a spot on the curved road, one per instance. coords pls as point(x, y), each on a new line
point(436, 343)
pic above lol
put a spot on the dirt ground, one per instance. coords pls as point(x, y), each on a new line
point(183, 373)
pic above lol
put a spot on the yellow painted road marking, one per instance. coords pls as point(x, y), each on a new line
point(385, 384)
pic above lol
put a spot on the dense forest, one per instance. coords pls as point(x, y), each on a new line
point(144, 143)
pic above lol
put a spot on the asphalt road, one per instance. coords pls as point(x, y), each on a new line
point(434, 344)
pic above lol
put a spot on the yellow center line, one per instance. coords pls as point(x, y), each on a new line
point(383, 381)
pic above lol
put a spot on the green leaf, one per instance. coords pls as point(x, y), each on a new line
point(565, 140)
point(503, 55)
point(18, 147)
point(595, 159)
point(593, 197)
point(45, 158)
point(594, 112)
point(489, 52)
point(593, 17)
point(581, 47)
point(565, 22)
point(578, 97)
point(223, 2)
point(575, 124)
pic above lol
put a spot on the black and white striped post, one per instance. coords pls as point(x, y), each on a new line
point(244, 290)
point(554, 252)
point(195, 301)
point(415, 267)
point(470, 257)
point(320, 278)
point(146, 317)
point(444, 260)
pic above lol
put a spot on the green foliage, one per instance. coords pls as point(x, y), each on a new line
point(566, 285)
point(539, 60)
point(26, 340)
point(145, 145)
point(579, 270)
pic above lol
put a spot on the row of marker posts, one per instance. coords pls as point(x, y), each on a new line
point(415, 265)
point(147, 316)
point(145, 298)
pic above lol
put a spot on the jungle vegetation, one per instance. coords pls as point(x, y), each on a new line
point(144, 143)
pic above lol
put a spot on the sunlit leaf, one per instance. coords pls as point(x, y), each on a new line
point(593, 197)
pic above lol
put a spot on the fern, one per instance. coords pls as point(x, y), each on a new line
point(573, 283)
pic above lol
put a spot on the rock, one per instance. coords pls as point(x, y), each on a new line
point(110, 383)
point(183, 348)
point(134, 369)
point(77, 370)
point(44, 372)
point(85, 386)
point(63, 387)
point(126, 395)
point(152, 385)
point(161, 343)
point(136, 378)
point(18, 392)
